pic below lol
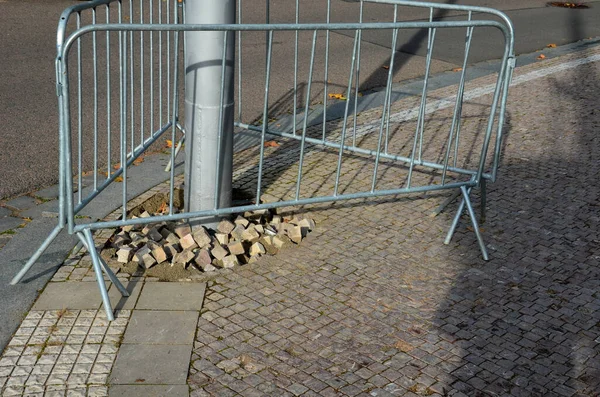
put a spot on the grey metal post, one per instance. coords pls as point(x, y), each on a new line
point(208, 151)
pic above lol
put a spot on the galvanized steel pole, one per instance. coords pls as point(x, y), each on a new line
point(209, 107)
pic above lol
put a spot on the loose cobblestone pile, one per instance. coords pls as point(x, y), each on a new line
point(242, 241)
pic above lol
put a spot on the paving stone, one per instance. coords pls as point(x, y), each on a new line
point(182, 230)
point(201, 237)
point(10, 223)
point(151, 364)
point(65, 295)
point(120, 302)
point(21, 203)
point(171, 296)
point(257, 249)
point(236, 248)
point(230, 261)
point(218, 252)
point(161, 327)
point(4, 212)
point(184, 257)
point(225, 226)
point(149, 390)
point(222, 238)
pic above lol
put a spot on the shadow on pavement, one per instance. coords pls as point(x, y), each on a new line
point(526, 322)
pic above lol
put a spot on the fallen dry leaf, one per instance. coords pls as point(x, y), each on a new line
point(386, 67)
point(551, 46)
point(403, 346)
point(456, 69)
point(138, 161)
point(119, 179)
point(271, 144)
point(117, 166)
point(337, 96)
point(542, 56)
point(169, 143)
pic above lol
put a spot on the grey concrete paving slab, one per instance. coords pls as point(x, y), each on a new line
point(171, 296)
point(148, 390)
point(4, 212)
point(9, 223)
point(119, 301)
point(43, 209)
point(47, 193)
point(69, 295)
point(151, 364)
point(22, 203)
point(162, 327)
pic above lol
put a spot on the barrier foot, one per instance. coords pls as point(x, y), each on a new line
point(87, 239)
point(36, 255)
point(467, 201)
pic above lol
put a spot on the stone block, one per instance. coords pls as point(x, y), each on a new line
point(187, 242)
point(159, 253)
point(184, 257)
point(295, 233)
point(230, 261)
point(148, 261)
point(225, 226)
point(257, 249)
point(164, 232)
point(222, 238)
point(276, 220)
point(218, 252)
point(259, 228)
point(124, 255)
point(251, 235)
point(145, 250)
point(183, 229)
point(171, 250)
point(203, 257)
point(145, 214)
point(307, 223)
point(236, 248)
point(240, 220)
point(202, 237)
point(121, 240)
point(280, 241)
point(209, 267)
point(237, 232)
point(154, 234)
point(171, 238)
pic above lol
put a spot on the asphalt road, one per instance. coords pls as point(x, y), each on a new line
point(28, 104)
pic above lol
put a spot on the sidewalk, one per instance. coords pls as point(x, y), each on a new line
point(371, 303)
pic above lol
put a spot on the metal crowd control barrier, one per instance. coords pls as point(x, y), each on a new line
point(119, 71)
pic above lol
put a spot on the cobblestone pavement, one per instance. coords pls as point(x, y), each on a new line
point(373, 304)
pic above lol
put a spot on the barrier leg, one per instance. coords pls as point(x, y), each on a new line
point(87, 239)
point(467, 201)
point(113, 278)
point(36, 255)
point(444, 204)
point(483, 199)
point(452, 229)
